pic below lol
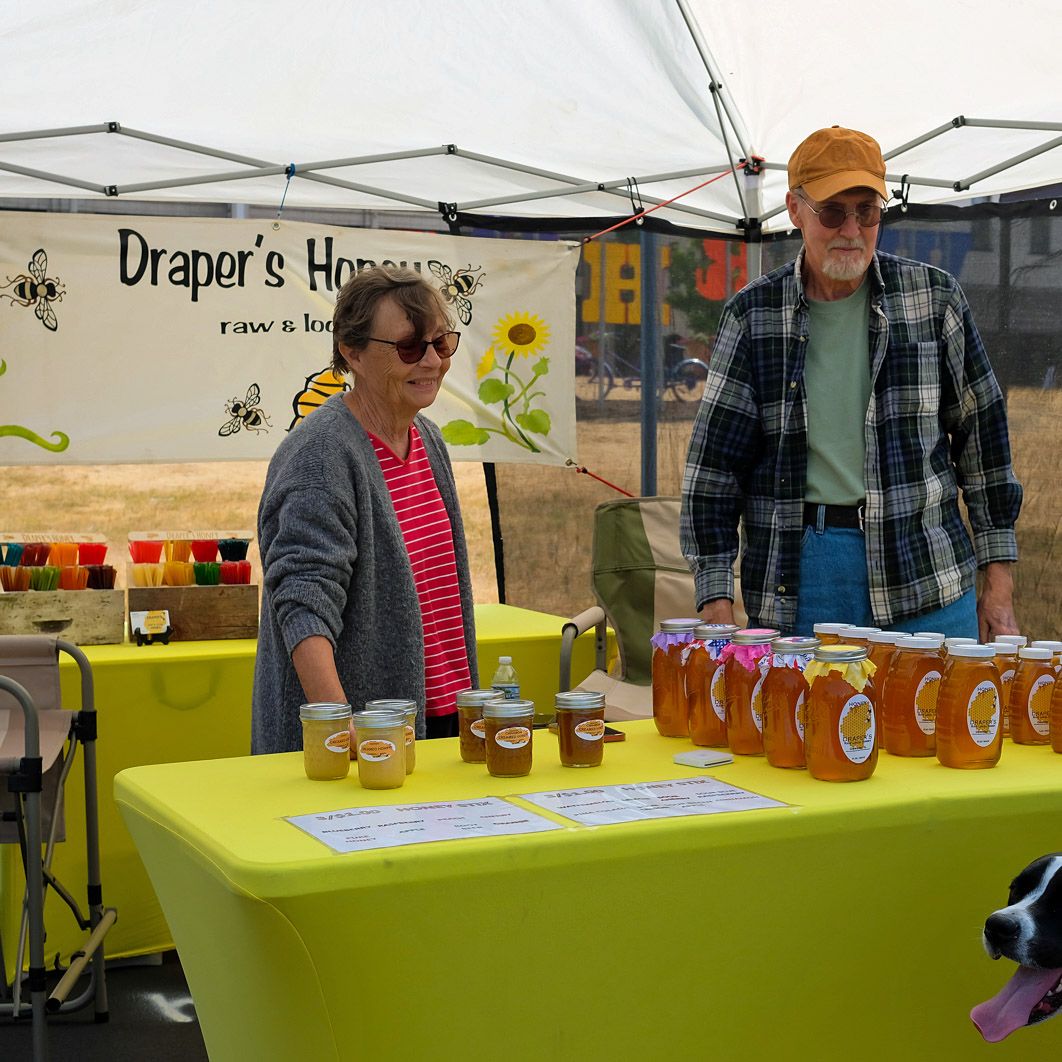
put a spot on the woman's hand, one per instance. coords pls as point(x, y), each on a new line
point(315, 664)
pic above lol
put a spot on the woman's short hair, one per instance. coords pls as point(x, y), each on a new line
point(358, 298)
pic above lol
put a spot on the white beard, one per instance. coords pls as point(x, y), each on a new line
point(844, 267)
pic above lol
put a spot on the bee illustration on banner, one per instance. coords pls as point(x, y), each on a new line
point(246, 414)
point(36, 289)
point(315, 391)
point(456, 287)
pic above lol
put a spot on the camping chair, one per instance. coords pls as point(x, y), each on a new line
point(38, 742)
point(639, 577)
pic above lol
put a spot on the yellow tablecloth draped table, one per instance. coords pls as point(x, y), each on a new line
point(192, 701)
point(845, 925)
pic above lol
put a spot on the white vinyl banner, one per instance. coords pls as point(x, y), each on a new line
point(126, 339)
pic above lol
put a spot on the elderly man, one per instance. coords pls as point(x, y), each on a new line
point(849, 399)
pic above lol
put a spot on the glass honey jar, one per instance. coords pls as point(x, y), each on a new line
point(839, 727)
point(470, 731)
point(828, 633)
point(706, 683)
point(580, 727)
point(784, 699)
point(1030, 697)
point(745, 663)
point(1055, 722)
point(507, 736)
point(325, 741)
point(969, 709)
point(1006, 662)
point(1015, 639)
point(1056, 651)
point(671, 710)
point(381, 739)
point(949, 642)
point(907, 702)
point(881, 648)
point(409, 709)
point(852, 635)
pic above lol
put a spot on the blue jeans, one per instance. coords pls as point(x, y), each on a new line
point(834, 589)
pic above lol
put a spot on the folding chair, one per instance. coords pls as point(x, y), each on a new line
point(639, 577)
point(38, 744)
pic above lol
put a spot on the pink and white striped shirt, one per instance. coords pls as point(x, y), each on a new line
point(425, 526)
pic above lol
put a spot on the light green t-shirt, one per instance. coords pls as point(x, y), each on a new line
point(837, 386)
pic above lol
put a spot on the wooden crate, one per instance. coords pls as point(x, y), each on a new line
point(202, 613)
point(84, 617)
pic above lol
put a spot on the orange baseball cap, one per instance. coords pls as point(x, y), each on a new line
point(836, 159)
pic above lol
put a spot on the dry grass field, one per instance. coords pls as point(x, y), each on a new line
point(546, 512)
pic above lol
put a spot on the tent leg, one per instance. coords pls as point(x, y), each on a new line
point(491, 479)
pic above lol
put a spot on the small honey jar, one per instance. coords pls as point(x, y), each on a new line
point(325, 740)
point(410, 710)
point(381, 738)
point(969, 708)
point(580, 727)
point(470, 724)
point(839, 728)
point(507, 730)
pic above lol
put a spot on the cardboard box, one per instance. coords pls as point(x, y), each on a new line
point(84, 617)
point(202, 613)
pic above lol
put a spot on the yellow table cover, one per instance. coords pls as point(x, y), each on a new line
point(845, 925)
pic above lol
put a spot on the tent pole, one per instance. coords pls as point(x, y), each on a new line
point(490, 479)
point(650, 343)
point(754, 231)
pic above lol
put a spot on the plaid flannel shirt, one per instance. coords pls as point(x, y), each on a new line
point(936, 422)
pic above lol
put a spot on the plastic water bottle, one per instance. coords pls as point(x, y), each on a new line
point(505, 679)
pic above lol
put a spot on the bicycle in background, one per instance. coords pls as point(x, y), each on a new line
point(683, 376)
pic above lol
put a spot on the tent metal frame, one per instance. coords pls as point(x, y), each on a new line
point(565, 184)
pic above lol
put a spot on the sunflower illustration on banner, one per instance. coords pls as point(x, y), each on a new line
point(510, 372)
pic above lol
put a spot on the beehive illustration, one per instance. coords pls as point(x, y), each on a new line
point(926, 697)
point(855, 726)
point(983, 709)
point(1040, 706)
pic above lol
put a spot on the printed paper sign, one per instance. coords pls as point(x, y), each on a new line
point(649, 800)
point(181, 339)
point(360, 829)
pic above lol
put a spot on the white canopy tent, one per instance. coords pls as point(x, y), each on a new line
point(519, 108)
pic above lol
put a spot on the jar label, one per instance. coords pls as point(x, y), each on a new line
point(855, 728)
point(757, 702)
point(718, 693)
point(376, 750)
point(925, 702)
point(478, 729)
point(982, 714)
point(411, 734)
point(338, 742)
point(799, 715)
point(513, 737)
point(1040, 704)
point(590, 729)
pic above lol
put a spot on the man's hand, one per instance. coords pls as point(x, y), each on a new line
point(995, 606)
point(721, 610)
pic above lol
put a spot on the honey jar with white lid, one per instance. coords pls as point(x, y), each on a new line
point(1030, 697)
point(907, 697)
point(969, 708)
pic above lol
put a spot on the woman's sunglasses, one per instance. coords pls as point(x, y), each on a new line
point(412, 350)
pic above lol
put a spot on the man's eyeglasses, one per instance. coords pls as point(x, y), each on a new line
point(412, 350)
point(867, 215)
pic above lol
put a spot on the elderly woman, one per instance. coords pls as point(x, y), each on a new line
point(366, 586)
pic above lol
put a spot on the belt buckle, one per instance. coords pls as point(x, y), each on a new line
point(860, 512)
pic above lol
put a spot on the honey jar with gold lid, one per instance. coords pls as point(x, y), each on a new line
point(325, 740)
point(381, 739)
point(580, 727)
point(706, 684)
point(507, 736)
point(410, 710)
point(671, 709)
point(470, 731)
point(784, 697)
point(839, 728)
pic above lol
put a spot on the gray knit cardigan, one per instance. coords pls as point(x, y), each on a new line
point(335, 563)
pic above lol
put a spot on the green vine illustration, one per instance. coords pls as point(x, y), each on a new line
point(517, 335)
point(62, 441)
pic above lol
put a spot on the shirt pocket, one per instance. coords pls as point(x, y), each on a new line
point(913, 386)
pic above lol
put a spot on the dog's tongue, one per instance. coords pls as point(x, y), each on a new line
point(1000, 1016)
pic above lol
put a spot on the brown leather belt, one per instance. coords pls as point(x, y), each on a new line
point(850, 516)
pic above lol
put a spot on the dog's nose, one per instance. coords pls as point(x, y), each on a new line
point(1002, 929)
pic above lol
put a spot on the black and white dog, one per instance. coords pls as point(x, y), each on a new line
point(1028, 931)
